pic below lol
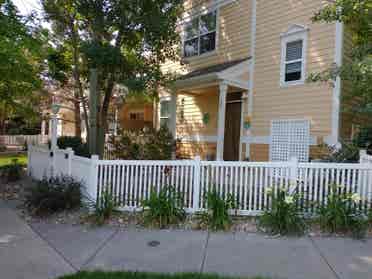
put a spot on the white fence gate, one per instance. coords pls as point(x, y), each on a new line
point(131, 182)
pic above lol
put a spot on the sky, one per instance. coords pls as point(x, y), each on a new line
point(27, 6)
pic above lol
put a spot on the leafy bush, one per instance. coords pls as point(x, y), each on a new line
point(54, 195)
point(2, 148)
point(284, 217)
point(217, 216)
point(104, 208)
point(364, 138)
point(12, 172)
point(149, 144)
point(80, 148)
point(340, 213)
point(72, 142)
point(164, 208)
point(348, 153)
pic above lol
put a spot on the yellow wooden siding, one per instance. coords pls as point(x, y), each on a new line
point(310, 101)
point(234, 28)
point(193, 107)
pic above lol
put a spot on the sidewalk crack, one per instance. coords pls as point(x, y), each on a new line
point(52, 247)
point(205, 252)
point(324, 258)
point(99, 249)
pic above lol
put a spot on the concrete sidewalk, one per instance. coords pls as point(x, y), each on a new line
point(23, 254)
point(60, 249)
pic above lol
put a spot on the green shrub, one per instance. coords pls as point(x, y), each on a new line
point(104, 208)
point(13, 171)
point(53, 195)
point(72, 142)
point(341, 213)
point(217, 216)
point(2, 148)
point(164, 208)
point(284, 217)
point(80, 148)
point(149, 144)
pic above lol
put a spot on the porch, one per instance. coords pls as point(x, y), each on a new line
point(209, 111)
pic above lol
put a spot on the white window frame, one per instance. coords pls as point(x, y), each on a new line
point(165, 99)
point(217, 31)
point(294, 33)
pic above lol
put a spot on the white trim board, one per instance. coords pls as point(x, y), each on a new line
point(267, 140)
point(336, 102)
point(198, 138)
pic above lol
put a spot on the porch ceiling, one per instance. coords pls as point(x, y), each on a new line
point(232, 73)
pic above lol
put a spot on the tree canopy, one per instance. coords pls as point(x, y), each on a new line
point(357, 18)
point(126, 41)
point(21, 43)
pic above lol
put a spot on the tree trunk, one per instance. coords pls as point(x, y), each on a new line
point(77, 116)
point(79, 92)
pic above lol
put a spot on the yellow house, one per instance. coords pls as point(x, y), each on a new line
point(242, 91)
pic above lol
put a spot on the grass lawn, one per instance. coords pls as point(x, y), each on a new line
point(7, 159)
point(142, 275)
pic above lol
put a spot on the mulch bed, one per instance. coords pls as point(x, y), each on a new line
point(128, 220)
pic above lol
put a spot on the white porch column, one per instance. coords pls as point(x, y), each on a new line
point(54, 133)
point(221, 121)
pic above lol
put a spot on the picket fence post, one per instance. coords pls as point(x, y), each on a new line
point(93, 178)
point(29, 158)
point(293, 171)
point(196, 194)
point(70, 155)
point(362, 156)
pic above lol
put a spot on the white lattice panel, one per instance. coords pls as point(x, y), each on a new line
point(290, 138)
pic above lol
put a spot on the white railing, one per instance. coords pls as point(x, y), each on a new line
point(20, 140)
point(131, 182)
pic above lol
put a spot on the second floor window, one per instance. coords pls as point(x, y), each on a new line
point(200, 35)
point(293, 61)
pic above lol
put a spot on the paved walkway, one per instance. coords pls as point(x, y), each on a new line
point(46, 250)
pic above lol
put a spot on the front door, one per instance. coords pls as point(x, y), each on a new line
point(232, 129)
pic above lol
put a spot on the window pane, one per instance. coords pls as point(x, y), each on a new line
point(164, 122)
point(191, 47)
point(208, 23)
point(165, 109)
point(294, 50)
point(192, 29)
point(293, 71)
point(207, 42)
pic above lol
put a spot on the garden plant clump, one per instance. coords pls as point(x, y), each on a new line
point(12, 172)
point(341, 213)
point(164, 208)
point(54, 195)
point(217, 216)
point(104, 208)
point(285, 216)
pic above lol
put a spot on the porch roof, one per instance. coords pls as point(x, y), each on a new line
point(227, 71)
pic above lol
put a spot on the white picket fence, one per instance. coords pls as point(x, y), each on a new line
point(20, 140)
point(131, 182)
